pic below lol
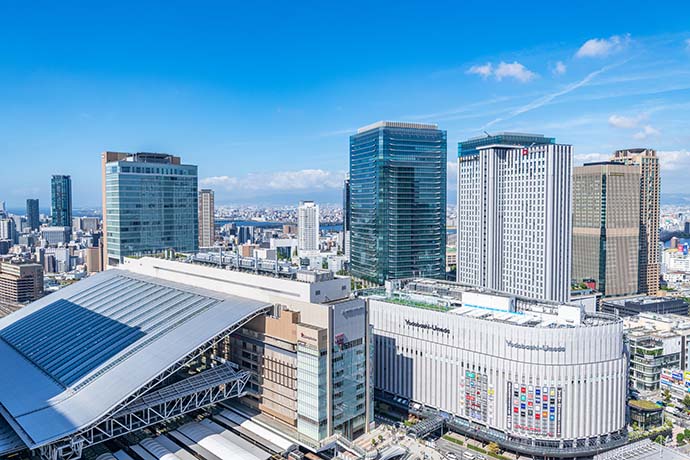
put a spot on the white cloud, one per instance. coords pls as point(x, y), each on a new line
point(600, 47)
point(514, 70)
point(559, 69)
point(484, 71)
point(620, 121)
point(674, 160)
point(452, 175)
point(687, 44)
point(582, 158)
point(503, 70)
point(305, 179)
point(647, 131)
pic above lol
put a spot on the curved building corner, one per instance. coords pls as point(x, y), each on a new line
point(542, 379)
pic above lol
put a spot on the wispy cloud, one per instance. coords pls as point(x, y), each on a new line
point(502, 71)
point(469, 109)
point(338, 132)
point(647, 131)
point(546, 99)
point(305, 179)
point(559, 68)
point(620, 121)
point(687, 44)
point(602, 47)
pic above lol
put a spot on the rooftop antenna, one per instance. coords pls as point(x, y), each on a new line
point(487, 134)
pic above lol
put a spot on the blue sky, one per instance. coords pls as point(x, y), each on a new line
point(263, 95)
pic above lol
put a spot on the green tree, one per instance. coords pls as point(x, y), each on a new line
point(667, 395)
point(680, 439)
point(686, 402)
point(493, 448)
point(660, 440)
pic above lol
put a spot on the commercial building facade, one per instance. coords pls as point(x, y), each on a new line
point(151, 204)
point(54, 236)
point(514, 215)
point(654, 342)
point(606, 227)
point(207, 218)
point(649, 355)
point(398, 201)
point(530, 376)
point(647, 163)
point(310, 360)
point(20, 282)
point(61, 201)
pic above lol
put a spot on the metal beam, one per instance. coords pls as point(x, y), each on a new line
point(196, 392)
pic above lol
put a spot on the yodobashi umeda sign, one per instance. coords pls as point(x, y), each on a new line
point(530, 347)
point(427, 326)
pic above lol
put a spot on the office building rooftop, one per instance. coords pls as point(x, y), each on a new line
point(396, 124)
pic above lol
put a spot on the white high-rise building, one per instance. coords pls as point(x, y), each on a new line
point(514, 215)
point(308, 226)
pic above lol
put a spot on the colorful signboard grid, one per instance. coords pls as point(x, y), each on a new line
point(534, 409)
point(475, 395)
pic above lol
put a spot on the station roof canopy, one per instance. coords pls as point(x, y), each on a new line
point(71, 358)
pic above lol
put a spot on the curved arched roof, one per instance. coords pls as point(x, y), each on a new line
point(71, 357)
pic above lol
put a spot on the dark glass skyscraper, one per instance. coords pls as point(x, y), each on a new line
point(398, 201)
point(61, 201)
point(33, 220)
point(346, 217)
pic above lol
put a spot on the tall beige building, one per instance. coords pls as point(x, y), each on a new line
point(20, 282)
point(207, 220)
point(647, 163)
point(606, 226)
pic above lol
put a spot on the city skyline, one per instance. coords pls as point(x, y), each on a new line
point(600, 88)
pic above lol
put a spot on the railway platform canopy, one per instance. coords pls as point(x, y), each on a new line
point(112, 354)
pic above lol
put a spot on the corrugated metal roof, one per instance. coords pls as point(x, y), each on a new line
point(9, 441)
point(72, 356)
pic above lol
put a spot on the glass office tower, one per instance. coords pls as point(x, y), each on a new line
point(398, 201)
point(61, 201)
point(151, 204)
point(33, 219)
